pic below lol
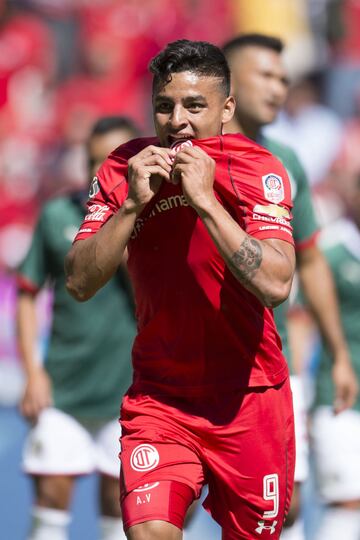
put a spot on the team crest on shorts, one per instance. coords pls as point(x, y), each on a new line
point(273, 188)
point(144, 458)
point(94, 187)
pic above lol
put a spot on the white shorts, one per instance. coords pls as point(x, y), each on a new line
point(60, 444)
point(301, 432)
point(336, 446)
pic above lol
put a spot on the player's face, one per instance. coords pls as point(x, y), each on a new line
point(190, 107)
point(259, 84)
point(100, 146)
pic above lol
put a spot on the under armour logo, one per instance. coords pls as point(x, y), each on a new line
point(262, 527)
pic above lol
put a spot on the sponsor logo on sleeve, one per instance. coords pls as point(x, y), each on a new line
point(144, 458)
point(97, 212)
point(272, 210)
point(273, 188)
point(94, 187)
point(275, 228)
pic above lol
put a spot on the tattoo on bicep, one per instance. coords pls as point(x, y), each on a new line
point(245, 262)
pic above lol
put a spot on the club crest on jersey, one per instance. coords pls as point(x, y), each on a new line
point(273, 188)
point(144, 458)
point(94, 187)
point(180, 145)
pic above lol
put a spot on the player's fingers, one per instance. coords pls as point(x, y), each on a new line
point(177, 173)
point(167, 153)
point(157, 159)
point(184, 157)
point(156, 169)
point(194, 151)
point(344, 398)
point(27, 408)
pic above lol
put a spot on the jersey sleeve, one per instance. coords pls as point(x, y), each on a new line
point(108, 190)
point(263, 192)
point(33, 271)
point(305, 227)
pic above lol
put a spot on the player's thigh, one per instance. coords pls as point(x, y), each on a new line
point(252, 465)
point(336, 448)
point(53, 491)
point(301, 431)
point(161, 471)
point(148, 508)
point(58, 445)
point(154, 530)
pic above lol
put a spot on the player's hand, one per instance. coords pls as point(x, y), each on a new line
point(146, 172)
point(196, 172)
point(37, 394)
point(345, 383)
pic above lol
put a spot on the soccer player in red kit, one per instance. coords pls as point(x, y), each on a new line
point(210, 401)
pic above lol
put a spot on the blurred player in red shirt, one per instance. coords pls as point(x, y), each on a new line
point(210, 400)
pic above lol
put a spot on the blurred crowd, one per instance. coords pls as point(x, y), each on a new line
point(64, 63)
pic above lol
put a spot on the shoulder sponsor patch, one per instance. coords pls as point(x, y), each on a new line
point(94, 187)
point(273, 188)
point(272, 210)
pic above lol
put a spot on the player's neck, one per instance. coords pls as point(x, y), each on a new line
point(249, 130)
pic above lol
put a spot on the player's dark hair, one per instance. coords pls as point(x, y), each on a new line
point(199, 57)
point(106, 124)
point(253, 40)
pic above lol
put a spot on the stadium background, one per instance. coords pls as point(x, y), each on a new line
point(63, 63)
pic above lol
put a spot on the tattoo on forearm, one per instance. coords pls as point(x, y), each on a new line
point(245, 262)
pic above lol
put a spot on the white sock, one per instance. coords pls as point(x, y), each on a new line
point(339, 523)
point(295, 532)
point(111, 528)
point(49, 524)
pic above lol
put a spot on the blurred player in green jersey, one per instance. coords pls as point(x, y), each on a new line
point(336, 438)
point(73, 400)
point(259, 85)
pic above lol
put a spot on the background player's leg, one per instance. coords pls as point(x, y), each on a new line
point(56, 451)
point(108, 465)
point(154, 530)
point(50, 514)
point(111, 526)
point(340, 522)
point(294, 527)
point(336, 446)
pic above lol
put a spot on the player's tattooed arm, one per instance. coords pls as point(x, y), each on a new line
point(245, 262)
point(264, 267)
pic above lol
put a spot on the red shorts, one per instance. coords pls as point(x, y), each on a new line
point(241, 444)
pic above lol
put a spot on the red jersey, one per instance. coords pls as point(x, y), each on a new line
point(199, 330)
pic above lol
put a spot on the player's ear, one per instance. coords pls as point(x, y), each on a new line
point(229, 109)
